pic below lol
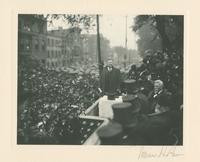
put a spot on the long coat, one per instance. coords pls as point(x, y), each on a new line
point(110, 80)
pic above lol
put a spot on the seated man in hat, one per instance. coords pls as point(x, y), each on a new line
point(156, 94)
point(110, 79)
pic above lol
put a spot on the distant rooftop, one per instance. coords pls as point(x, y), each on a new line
point(62, 32)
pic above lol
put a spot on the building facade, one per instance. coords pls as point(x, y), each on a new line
point(69, 48)
point(57, 48)
point(32, 36)
point(54, 52)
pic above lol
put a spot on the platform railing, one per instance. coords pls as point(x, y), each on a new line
point(93, 110)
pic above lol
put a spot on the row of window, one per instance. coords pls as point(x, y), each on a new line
point(53, 42)
point(27, 45)
point(65, 51)
point(67, 41)
point(54, 54)
point(56, 42)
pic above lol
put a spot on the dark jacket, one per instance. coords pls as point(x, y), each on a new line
point(110, 81)
point(163, 99)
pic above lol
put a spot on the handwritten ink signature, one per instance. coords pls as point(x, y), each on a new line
point(164, 152)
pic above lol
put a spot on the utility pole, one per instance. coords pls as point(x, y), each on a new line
point(99, 47)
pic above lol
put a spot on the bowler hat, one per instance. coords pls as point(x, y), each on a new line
point(111, 134)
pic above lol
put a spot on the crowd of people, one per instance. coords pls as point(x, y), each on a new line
point(48, 98)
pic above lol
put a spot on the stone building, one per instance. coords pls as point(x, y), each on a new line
point(32, 36)
point(54, 52)
point(70, 45)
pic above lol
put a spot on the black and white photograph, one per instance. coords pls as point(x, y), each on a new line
point(100, 79)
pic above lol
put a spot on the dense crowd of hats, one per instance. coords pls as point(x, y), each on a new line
point(52, 99)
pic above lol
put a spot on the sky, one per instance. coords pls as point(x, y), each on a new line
point(113, 28)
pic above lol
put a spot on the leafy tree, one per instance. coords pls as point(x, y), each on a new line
point(149, 38)
point(169, 27)
point(84, 22)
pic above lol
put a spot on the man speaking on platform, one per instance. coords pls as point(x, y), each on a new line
point(110, 79)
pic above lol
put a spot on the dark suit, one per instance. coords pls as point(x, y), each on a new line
point(163, 98)
point(110, 80)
